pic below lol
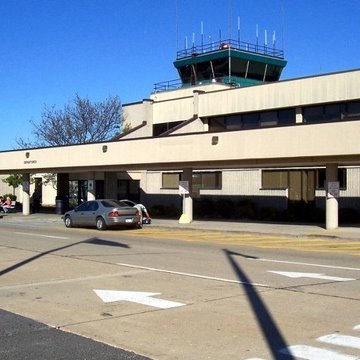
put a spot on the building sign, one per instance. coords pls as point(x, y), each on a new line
point(333, 189)
point(183, 187)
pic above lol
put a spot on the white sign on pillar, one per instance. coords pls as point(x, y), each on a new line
point(333, 189)
point(183, 187)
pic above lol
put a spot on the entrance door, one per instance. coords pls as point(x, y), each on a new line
point(302, 187)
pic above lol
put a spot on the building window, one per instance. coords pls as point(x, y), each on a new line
point(321, 176)
point(201, 180)
point(286, 117)
point(159, 129)
point(170, 180)
point(207, 180)
point(268, 118)
point(253, 120)
point(352, 110)
point(279, 179)
point(332, 112)
point(313, 114)
point(274, 179)
point(250, 121)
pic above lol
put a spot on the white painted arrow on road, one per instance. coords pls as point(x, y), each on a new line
point(144, 298)
point(296, 275)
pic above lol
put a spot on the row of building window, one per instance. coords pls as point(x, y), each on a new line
point(281, 179)
point(270, 179)
point(311, 114)
point(200, 180)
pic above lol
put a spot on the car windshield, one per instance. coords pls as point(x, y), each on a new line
point(113, 203)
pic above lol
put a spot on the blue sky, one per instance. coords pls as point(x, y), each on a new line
point(52, 49)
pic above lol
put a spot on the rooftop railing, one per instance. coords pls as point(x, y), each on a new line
point(195, 50)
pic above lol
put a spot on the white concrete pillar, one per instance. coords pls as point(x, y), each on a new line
point(26, 194)
point(187, 215)
point(332, 193)
point(299, 115)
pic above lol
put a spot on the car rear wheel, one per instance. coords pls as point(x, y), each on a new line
point(100, 223)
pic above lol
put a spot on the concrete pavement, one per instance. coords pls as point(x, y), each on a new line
point(351, 232)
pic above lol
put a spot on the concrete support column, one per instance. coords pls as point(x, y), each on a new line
point(206, 125)
point(332, 189)
point(299, 115)
point(187, 215)
point(62, 195)
point(196, 103)
point(26, 194)
point(110, 184)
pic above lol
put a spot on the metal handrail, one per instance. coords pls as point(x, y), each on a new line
point(195, 50)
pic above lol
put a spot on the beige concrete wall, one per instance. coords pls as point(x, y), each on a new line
point(218, 99)
point(137, 113)
point(312, 90)
point(303, 144)
point(174, 110)
point(194, 126)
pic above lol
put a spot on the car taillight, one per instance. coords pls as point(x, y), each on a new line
point(113, 213)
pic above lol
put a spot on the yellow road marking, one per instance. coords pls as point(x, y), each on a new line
point(311, 244)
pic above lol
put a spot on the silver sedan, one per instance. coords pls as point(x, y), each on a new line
point(103, 213)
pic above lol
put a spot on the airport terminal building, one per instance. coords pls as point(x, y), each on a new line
point(230, 128)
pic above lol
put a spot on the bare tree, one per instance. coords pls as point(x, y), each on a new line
point(79, 122)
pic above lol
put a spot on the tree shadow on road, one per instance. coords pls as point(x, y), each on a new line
point(272, 334)
point(92, 241)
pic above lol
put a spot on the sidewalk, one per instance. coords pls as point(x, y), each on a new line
point(297, 230)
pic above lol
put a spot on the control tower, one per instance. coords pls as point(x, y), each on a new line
point(230, 62)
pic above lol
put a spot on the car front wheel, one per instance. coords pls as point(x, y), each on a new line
point(100, 223)
point(68, 222)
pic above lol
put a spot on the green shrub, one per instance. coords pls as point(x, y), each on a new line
point(348, 216)
point(162, 211)
point(268, 213)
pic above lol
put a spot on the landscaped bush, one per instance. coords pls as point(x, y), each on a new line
point(225, 208)
point(245, 209)
point(165, 211)
point(348, 216)
point(268, 213)
point(204, 208)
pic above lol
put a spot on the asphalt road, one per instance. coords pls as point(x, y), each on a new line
point(166, 294)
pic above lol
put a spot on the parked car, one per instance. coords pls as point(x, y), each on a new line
point(103, 213)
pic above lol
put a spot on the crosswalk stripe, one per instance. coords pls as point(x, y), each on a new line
point(341, 340)
point(314, 353)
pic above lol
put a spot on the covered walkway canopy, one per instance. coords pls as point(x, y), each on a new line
point(327, 144)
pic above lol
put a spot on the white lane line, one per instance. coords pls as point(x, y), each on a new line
point(192, 275)
point(314, 353)
point(66, 281)
point(341, 340)
point(40, 235)
point(307, 264)
point(297, 275)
